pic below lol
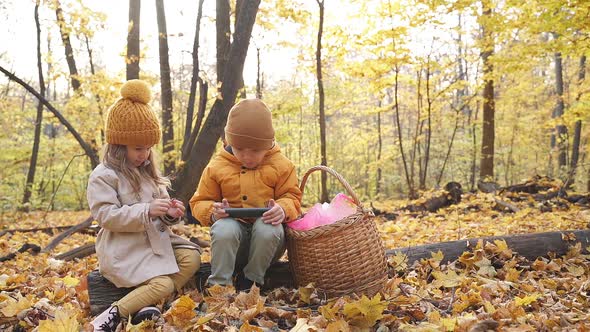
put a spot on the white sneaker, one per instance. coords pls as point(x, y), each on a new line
point(107, 321)
point(146, 313)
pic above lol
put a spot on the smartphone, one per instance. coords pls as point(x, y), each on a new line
point(245, 212)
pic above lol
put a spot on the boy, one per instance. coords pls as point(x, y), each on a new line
point(251, 172)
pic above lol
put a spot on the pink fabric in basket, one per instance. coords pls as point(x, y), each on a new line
point(340, 207)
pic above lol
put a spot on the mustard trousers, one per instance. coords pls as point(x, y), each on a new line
point(157, 288)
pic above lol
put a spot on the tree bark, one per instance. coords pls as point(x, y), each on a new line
point(318, 58)
point(166, 88)
point(577, 128)
point(558, 138)
point(488, 137)
point(258, 77)
point(184, 185)
point(39, 119)
point(65, 37)
point(379, 152)
point(195, 80)
point(222, 24)
point(90, 152)
point(241, 86)
point(83, 225)
point(133, 57)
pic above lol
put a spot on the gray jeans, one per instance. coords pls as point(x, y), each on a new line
point(236, 245)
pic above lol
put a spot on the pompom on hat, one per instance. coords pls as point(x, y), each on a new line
point(131, 120)
point(249, 125)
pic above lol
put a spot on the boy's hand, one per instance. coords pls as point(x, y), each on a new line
point(219, 210)
point(276, 214)
point(158, 207)
point(176, 209)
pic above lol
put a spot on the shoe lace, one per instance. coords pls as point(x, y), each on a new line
point(111, 322)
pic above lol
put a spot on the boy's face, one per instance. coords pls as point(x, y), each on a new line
point(250, 158)
point(138, 154)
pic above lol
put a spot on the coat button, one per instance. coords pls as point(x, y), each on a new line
point(243, 172)
point(154, 195)
point(244, 197)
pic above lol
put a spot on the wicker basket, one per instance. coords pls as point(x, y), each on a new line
point(343, 258)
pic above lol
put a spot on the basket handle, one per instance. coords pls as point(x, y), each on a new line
point(336, 175)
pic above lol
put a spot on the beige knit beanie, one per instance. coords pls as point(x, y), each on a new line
point(249, 125)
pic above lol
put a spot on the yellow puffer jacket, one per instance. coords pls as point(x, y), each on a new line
point(225, 177)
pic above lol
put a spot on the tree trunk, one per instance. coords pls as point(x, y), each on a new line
point(97, 96)
point(558, 139)
point(241, 86)
point(318, 58)
point(90, 152)
point(379, 151)
point(38, 120)
point(133, 57)
point(166, 88)
point(65, 37)
point(577, 128)
point(184, 185)
point(258, 77)
point(411, 190)
point(487, 141)
point(195, 80)
point(222, 24)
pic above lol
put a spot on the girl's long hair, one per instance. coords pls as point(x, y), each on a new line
point(114, 157)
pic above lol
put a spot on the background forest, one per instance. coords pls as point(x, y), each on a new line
point(406, 95)
point(401, 97)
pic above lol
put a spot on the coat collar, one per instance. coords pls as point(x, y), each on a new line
point(226, 154)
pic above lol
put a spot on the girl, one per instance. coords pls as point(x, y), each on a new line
point(128, 197)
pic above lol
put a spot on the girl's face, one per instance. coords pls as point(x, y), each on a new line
point(250, 158)
point(137, 154)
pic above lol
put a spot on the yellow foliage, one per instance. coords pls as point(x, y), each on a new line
point(365, 312)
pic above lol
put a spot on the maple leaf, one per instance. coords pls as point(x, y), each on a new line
point(250, 304)
point(399, 261)
point(524, 301)
point(485, 267)
point(219, 297)
point(70, 281)
point(246, 327)
point(305, 293)
point(329, 311)
point(182, 311)
point(449, 280)
point(302, 326)
point(140, 327)
point(12, 306)
point(338, 326)
point(512, 275)
point(64, 321)
point(365, 312)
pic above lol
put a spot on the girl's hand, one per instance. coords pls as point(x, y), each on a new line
point(219, 210)
point(158, 207)
point(176, 209)
point(276, 214)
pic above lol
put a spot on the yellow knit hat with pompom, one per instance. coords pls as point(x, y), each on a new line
point(131, 120)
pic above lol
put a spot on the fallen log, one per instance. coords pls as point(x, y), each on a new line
point(27, 246)
point(48, 230)
point(79, 252)
point(102, 293)
point(83, 225)
point(452, 195)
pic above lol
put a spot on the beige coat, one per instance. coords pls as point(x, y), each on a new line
point(131, 247)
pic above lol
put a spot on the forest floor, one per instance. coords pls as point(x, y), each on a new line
point(489, 288)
